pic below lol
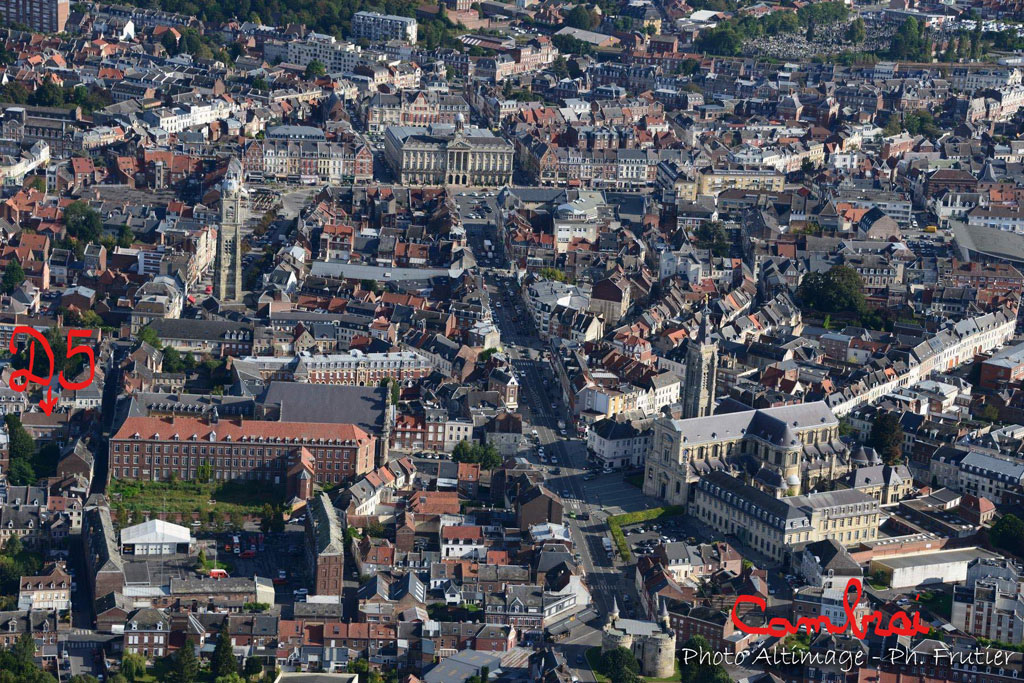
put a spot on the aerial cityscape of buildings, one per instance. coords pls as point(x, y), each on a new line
point(551, 341)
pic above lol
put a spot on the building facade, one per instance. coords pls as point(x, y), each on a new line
point(155, 449)
point(377, 27)
point(48, 16)
point(774, 525)
point(796, 446)
point(443, 156)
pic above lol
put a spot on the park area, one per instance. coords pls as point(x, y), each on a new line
point(211, 503)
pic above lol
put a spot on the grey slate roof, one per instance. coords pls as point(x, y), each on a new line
point(327, 528)
point(1006, 470)
point(365, 407)
point(771, 424)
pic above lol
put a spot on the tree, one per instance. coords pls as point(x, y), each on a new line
point(560, 67)
point(91, 319)
point(462, 451)
point(169, 42)
point(49, 94)
point(1008, 533)
point(253, 667)
point(22, 448)
point(125, 236)
point(620, 665)
point(950, 54)
point(223, 662)
point(989, 413)
point(24, 651)
point(581, 17)
point(230, 678)
point(15, 93)
point(83, 222)
point(148, 334)
point(553, 274)
point(133, 666)
point(856, 32)
point(14, 275)
point(887, 437)
point(315, 68)
point(840, 290)
point(713, 237)
point(83, 678)
point(721, 40)
point(700, 669)
point(185, 667)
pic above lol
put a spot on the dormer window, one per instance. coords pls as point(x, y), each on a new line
point(135, 626)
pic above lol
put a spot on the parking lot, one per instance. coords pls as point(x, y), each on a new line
point(281, 552)
point(644, 538)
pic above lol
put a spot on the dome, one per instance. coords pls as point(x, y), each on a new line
point(793, 480)
point(865, 456)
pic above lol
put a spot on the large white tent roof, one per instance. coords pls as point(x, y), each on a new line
point(155, 531)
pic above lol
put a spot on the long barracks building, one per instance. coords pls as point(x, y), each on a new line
point(157, 448)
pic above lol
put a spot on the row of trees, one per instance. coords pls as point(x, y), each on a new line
point(84, 225)
point(727, 37)
point(185, 668)
point(918, 122)
point(49, 94)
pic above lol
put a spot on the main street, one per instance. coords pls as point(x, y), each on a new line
point(587, 503)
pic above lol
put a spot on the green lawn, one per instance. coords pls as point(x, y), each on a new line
point(186, 497)
point(636, 480)
point(161, 671)
point(938, 602)
point(594, 662)
point(593, 656)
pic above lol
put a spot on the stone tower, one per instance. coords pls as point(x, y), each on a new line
point(654, 648)
point(234, 210)
point(701, 371)
point(658, 653)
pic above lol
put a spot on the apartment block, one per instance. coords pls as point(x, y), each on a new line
point(374, 26)
point(48, 16)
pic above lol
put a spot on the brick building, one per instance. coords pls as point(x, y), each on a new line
point(154, 448)
point(325, 546)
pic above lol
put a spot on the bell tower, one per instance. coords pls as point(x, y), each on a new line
point(701, 371)
point(234, 212)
